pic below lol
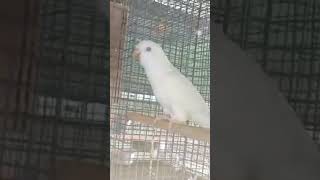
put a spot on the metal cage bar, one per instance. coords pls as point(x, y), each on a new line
point(140, 151)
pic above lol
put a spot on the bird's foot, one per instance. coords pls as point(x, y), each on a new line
point(174, 121)
point(160, 117)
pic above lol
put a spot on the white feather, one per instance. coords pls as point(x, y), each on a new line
point(176, 94)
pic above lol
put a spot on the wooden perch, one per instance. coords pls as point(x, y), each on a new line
point(188, 131)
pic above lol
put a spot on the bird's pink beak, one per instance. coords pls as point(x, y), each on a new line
point(136, 54)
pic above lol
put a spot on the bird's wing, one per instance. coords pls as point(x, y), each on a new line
point(182, 90)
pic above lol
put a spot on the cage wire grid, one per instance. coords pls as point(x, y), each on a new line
point(69, 110)
point(143, 152)
point(283, 35)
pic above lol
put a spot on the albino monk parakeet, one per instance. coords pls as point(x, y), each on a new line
point(175, 93)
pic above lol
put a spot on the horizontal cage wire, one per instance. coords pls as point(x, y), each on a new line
point(68, 117)
point(284, 37)
point(140, 151)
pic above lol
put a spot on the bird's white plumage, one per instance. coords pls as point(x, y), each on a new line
point(175, 93)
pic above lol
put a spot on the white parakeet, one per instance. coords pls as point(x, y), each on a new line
point(175, 93)
point(256, 135)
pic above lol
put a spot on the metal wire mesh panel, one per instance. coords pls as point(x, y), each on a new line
point(284, 38)
point(139, 151)
point(68, 118)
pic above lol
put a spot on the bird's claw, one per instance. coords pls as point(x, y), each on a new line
point(160, 117)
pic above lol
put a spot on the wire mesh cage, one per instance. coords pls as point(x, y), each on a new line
point(283, 36)
point(140, 151)
point(67, 117)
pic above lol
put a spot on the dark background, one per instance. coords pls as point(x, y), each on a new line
point(54, 89)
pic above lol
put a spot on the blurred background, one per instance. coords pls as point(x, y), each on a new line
point(53, 86)
point(283, 36)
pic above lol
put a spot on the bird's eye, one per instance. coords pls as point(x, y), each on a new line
point(148, 48)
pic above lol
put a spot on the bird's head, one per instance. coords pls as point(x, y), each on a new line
point(147, 50)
